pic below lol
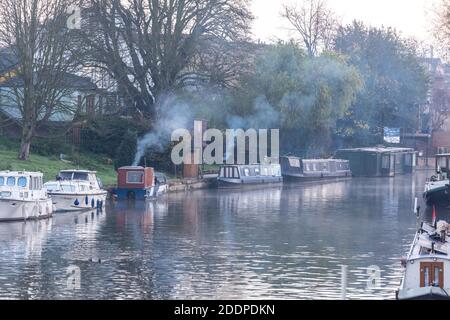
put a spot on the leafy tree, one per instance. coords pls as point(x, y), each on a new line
point(309, 94)
point(395, 82)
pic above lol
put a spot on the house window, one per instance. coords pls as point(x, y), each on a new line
point(135, 177)
point(2, 181)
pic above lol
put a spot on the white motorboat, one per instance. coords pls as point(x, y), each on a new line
point(427, 266)
point(76, 190)
point(23, 196)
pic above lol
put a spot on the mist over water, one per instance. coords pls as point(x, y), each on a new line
point(283, 243)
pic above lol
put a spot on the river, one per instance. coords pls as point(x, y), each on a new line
point(284, 242)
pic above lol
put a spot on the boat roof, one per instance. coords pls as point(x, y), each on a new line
point(378, 149)
point(443, 155)
point(78, 171)
point(132, 168)
point(330, 159)
point(21, 173)
point(424, 244)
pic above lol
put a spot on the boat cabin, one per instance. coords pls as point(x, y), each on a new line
point(21, 185)
point(427, 266)
point(380, 161)
point(250, 174)
point(293, 167)
point(134, 182)
point(81, 175)
point(443, 163)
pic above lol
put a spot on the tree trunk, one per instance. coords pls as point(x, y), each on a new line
point(25, 144)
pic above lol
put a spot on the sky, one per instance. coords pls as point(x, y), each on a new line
point(410, 17)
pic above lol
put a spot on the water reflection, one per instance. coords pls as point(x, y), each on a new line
point(284, 242)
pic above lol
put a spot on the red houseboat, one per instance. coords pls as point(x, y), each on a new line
point(139, 183)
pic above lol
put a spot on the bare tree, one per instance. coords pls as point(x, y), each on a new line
point(35, 37)
point(439, 109)
point(314, 22)
point(153, 46)
point(441, 26)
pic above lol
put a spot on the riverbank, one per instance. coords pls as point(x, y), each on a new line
point(50, 166)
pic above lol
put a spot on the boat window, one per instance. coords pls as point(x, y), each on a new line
point(442, 162)
point(436, 272)
point(295, 163)
point(426, 275)
point(385, 162)
point(2, 181)
point(235, 172)
point(66, 175)
point(5, 194)
point(246, 172)
point(265, 172)
point(52, 187)
point(257, 172)
point(222, 172)
point(80, 176)
point(100, 183)
point(135, 177)
point(408, 160)
point(22, 182)
point(67, 188)
point(11, 181)
point(35, 183)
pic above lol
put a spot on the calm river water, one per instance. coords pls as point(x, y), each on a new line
point(282, 243)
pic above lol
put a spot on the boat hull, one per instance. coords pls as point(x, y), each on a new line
point(19, 210)
point(439, 196)
point(301, 178)
point(68, 202)
point(427, 293)
point(235, 183)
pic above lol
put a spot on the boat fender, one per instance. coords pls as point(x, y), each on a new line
point(93, 203)
point(86, 200)
point(76, 203)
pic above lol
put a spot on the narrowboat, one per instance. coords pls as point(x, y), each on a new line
point(296, 169)
point(23, 196)
point(75, 190)
point(427, 265)
point(437, 188)
point(139, 183)
point(379, 161)
point(253, 174)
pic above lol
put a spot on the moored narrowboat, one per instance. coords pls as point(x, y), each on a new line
point(245, 175)
point(379, 161)
point(296, 169)
point(427, 265)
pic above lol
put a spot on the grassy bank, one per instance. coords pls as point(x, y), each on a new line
point(51, 165)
